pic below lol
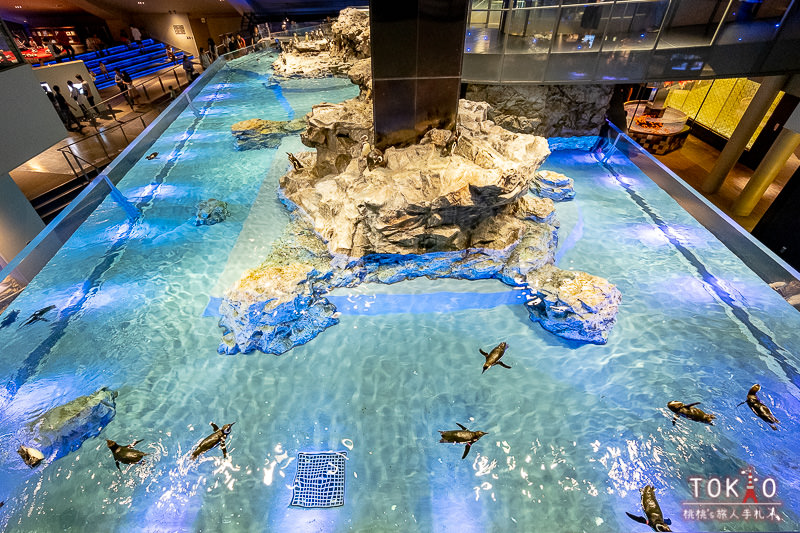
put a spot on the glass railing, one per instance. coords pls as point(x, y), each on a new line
point(10, 55)
point(41, 249)
point(756, 256)
point(628, 40)
point(22, 269)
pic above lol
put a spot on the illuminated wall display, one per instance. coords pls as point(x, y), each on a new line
point(718, 104)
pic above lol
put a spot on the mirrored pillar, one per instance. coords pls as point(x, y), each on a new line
point(416, 67)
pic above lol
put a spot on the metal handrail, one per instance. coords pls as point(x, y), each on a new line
point(98, 135)
point(142, 84)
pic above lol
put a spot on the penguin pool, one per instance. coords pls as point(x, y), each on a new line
point(574, 431)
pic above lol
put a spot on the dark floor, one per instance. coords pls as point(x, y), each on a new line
point(694, 161)
point(101, 139)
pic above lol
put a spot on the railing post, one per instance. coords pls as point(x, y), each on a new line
point(77, 160)
point(122, 129)
point(144, 88)
point(103, 146)
point(69, 163)
point(174, 71)
point(163, 90)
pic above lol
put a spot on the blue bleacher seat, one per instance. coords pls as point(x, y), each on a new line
point(137, 63)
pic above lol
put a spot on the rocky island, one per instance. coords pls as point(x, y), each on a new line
point(469, 204)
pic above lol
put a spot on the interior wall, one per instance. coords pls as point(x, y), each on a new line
point(35, 125)
point(219, 25)
point(114, 27)
point(19, 223)
point(200, 31)
point(60, 73)
point(162, 28)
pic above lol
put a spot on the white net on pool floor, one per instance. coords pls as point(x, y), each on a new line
point(319, 481)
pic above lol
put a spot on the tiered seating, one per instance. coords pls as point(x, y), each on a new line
point(137, 63)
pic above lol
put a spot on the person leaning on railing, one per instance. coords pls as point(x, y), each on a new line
point(205, 58)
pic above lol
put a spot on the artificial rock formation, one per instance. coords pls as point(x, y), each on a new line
point(469, 204)
point(547, 110)
point(427, 197)
point(554, 185)
point(335, 54)
point(256, 133)
point(63, 429)
point(210, 212)
point(455, 206)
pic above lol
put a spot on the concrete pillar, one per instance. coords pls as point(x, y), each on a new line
point(770, 87)
point(19, 223)
point(767, 170)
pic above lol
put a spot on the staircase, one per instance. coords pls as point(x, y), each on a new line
point(51, 203)
point(137, 62)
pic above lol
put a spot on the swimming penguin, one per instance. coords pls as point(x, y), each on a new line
point(31, 456)
point(152, 156)
point(493, 357)
point(691, 412)
point(10, 318)
point(761, 410)
point(464, 436)
point(39, 315)
point(295, 162)
point(216, 438)
point(125, 454)
point(655, 519)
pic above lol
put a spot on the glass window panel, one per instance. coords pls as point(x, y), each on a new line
point(478, 18)
point(481, 67)
point(535, 30)
point(634, 25)
point(688, 96)
point(691, 23)
point(622, 65)
point(495, 18)
point(580, 28)
point(517, 67)
point(571, 67)
point(9, 54)
point(481, 40)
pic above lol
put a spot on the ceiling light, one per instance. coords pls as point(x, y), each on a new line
point(17, 7)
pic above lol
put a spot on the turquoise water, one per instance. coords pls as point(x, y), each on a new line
point(573, 430)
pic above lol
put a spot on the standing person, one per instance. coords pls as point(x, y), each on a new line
point(123, 86)
point(55, 50)
point(256, 36)
point(205, 59)
point(65, 111)
point(170, 54)
point(76, 95)
point(232, 44)
point(136, 35)
point(63, 41)
point(87, 90)
point(103, 70)
point(123, 38)
point(188, 67)
point(93, 45)
point(212, 49)
point(240, 42)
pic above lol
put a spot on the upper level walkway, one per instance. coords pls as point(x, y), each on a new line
point(629, 41)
